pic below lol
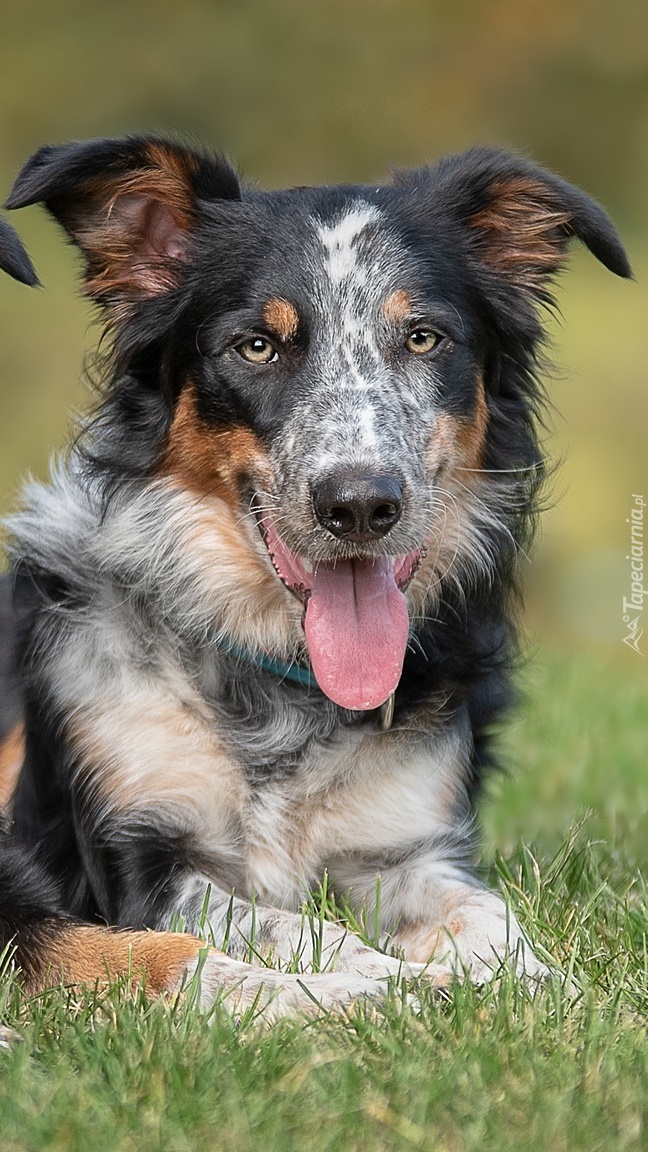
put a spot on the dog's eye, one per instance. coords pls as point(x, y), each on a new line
point(422, 340)
point(257, 350)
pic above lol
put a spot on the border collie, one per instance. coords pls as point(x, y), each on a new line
point(267, 602)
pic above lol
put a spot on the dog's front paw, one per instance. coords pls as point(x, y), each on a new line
point(330, 947)
point(274, 995)
point(478, 936)
point(344, 952)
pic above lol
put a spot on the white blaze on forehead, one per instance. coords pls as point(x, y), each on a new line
point(339, 238)
point(346, 292)
point(349, 290)
point(367, 422)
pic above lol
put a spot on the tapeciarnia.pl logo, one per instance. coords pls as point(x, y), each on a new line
point(633, 605)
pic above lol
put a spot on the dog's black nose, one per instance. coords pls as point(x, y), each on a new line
point(358, 506)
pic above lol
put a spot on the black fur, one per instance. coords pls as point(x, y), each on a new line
point(11, 703)
point(30, 916)
point(29, 905)
point(13, 256)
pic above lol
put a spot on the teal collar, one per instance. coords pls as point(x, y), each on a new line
point(298, 673)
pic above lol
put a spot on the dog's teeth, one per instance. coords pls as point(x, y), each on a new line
point(307, 566)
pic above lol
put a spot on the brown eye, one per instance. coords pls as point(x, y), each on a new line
point(257, 350)
point(422, 340)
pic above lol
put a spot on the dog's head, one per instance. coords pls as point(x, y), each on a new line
point(349, 370)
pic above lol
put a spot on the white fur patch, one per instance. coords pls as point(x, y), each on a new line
point(274, 995)
point(339, 240)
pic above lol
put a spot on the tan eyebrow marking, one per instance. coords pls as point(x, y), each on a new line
point(282, 317)
point(398, 306)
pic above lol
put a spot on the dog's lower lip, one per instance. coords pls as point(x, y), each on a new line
point(299, 588)
point(297, 580)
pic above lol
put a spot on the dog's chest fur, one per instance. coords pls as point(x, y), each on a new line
point(267, 791)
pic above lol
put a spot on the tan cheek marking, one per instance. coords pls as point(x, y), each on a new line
point(442, 443)
point(398, 306)
point(217, 538)
point(459, 446)
point(459, 443)
point(282, 317)
point(471, 435)
point(87, 955)
point(12, 751)
point(236, 579)
point(210, 462)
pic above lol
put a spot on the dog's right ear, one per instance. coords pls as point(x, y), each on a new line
point(13, 257)
point(131, 205)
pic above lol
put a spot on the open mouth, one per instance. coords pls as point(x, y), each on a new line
point(356, 621)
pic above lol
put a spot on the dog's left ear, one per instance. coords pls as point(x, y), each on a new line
point(131, 205)
point(519, 218)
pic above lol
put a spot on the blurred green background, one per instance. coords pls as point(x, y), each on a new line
point(340, 90)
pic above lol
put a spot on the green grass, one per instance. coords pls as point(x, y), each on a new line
point(496, 1068)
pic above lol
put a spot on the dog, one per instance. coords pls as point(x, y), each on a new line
point(48, 945)
point(267, 604)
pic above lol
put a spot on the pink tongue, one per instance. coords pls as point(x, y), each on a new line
point(356, 629)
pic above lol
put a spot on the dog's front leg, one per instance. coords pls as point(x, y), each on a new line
point(248, 930)
point(437, 911)
point(242, 935)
